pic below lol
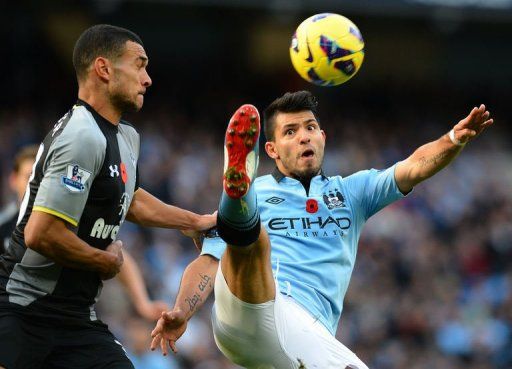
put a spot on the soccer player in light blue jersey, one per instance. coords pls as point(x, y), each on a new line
point(292, 238)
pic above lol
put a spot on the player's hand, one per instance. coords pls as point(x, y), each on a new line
point(116, 249)
point(206, 222)
point(152, 310)
point(169, 328)
point(474, 124)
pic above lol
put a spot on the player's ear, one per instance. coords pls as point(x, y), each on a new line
point(270, 148)
point(102, 68)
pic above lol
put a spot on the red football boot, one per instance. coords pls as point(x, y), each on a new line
point(241, 147)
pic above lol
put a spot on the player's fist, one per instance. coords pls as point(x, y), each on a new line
point(203, 223)
point(206, 221)
point(114, 256)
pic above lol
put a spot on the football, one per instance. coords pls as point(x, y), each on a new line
point(327, 49)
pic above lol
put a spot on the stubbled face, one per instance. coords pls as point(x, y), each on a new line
point(130, 78)
point(298, 146)
point(19, 180)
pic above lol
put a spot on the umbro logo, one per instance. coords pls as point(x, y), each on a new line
point(274, 200)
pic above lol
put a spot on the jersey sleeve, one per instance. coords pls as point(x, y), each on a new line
point(374, 189)
point(213, 245)
point(74, 159)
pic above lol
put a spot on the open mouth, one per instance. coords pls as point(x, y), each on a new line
point(307, 154)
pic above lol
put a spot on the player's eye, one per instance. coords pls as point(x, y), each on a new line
point(289, 132)
point(311, 127)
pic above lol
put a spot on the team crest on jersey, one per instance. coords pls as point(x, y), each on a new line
point(75, 178)
point(334, 200)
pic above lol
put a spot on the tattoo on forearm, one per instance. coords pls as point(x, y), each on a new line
point(205, 282)
point(193, 301)
point(433, 160)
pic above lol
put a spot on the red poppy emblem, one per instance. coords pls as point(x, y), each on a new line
point(311, 206)
point(124, 174)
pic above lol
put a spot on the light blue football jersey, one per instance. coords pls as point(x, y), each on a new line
point(314, 236)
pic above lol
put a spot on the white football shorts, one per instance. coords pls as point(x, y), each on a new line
point(278, 334)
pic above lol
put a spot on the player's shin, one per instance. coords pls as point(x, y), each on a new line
point(238, 220)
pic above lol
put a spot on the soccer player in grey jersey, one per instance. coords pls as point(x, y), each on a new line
point(129, 275)
point(82, 188)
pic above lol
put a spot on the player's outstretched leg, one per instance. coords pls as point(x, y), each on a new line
point(246, 264)
point(238, 219)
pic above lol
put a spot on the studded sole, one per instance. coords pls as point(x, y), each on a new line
point(242, 136)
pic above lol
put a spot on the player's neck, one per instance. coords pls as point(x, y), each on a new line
point(101, 104)
point(298, 177)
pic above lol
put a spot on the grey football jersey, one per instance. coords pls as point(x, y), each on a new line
point(86, 174)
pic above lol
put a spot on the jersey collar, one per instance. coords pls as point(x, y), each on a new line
point(278, 175)
point(99, 119)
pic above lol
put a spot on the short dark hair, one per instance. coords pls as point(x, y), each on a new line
point(26, 153)
point(100, 40)
point(290, 102)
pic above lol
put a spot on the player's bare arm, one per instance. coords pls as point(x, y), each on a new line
point(51, 237)
point(130, 277)
point(434, 156)
point(196, 285)
point(149, 211)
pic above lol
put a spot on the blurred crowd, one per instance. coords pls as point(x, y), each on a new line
point(432, 286)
